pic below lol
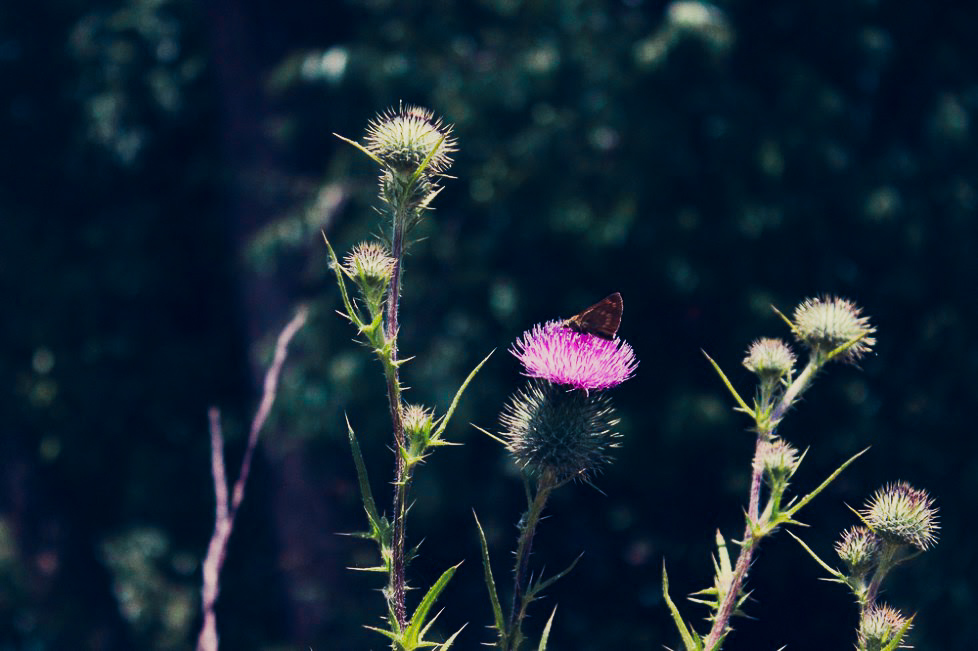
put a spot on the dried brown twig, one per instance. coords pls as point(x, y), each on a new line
point(225, 513)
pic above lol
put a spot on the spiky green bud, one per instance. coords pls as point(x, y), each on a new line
point(405, 137)
point(825, 324)
point(770, 359)
point(370, 267)
point(879, 626)
point(859, 549)
point(778, 460)
point(899, 513)
point(567, 433)
point(418, 422)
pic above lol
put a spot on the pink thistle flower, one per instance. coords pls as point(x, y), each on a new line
point(560, 355)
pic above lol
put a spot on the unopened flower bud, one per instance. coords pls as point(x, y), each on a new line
point(405, 137)
point(825, 324)
point(370, 267)
point(859, 549)
point(899, 513)
point(770, 359)
point(879, 625)
point(779, 460)
point(418, 422)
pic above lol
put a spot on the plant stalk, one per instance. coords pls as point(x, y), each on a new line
point(765, 433)
point(531, 518)
point(401, 477)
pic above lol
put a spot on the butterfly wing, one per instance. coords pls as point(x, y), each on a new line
point(601, 319)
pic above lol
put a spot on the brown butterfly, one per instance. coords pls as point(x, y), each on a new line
point(601, 319)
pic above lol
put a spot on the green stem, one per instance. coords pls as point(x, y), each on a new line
point(531, 518)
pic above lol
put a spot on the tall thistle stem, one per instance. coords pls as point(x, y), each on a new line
point(546, 484)
point(401, 478)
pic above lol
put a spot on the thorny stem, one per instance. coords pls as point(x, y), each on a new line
point(764, 433)
point(531, 518)
point(401, 477)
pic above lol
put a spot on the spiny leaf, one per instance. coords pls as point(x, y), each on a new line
point(691, 643)
point(497, 611)
point(808, 498)
point(542, 585)
point(334, 262)
point(443, 421)
point(414, 627)
point(366, 151)
point(377, 523)
point(740, 401)
point(546, 631)
point(828, 568)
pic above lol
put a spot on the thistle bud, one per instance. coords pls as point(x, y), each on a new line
point(770, 359)
point(418, 422)
point(778, 460)
point(901, 514)
point(825, 324)
point(404, 138)
point(370, 267)
point(549, 429)
point(879, 626)
point(859, 549)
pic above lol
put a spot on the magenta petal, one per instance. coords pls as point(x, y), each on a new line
point(554, 352)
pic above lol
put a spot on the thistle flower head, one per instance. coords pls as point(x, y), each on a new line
point(824, 324)
point(879, 626)
point(567, 433)
point(859, 549)
point(778, 460)
point(580, 360)
point(403, 139)
point(770, 359)
point(900, 513)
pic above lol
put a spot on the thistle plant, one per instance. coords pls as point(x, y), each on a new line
point(831, 330)
point(898, 523)
point(559, 428)
point(413, 150)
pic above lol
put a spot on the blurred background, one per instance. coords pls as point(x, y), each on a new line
point(166, 168)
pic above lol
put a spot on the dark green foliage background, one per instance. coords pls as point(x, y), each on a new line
point(166, 169)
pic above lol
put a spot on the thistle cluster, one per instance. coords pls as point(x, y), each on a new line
point(829, 329)
point(898, 523)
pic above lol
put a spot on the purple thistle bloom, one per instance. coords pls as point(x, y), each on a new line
point(556, 353)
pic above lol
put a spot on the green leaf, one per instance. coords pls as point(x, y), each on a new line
point(412, 633)
point(740, 401)
point(828, 568)
point(497, 610)
point(691, 643)
point(542, 585)
point(362, 148)
point(443, 421)
point(789, 513)
point(377, 523)
point(546, 631)
point(334, 262)
point(447, 644)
